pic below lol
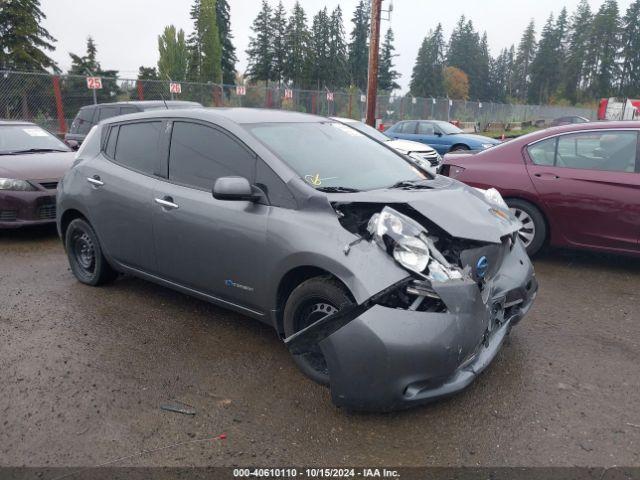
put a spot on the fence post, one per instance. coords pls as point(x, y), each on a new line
point(217, 96)
point(140, 90)
point(313, 102)
point(350, 105)
point(62, 123)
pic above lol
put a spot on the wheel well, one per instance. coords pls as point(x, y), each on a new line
point(67, 217)
point(290, 281)
point(544, 216)
point(453, 147)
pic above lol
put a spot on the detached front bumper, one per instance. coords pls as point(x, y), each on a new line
point(389, 359)
point(21, 209)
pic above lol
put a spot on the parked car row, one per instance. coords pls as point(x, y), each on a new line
point(330, 231)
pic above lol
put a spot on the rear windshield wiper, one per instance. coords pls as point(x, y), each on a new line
point(337, 190)
point(36, 150)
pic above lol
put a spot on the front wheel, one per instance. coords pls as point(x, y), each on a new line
point(85, 254)
point(534, 228)
point(460, 148)
point(311, 301)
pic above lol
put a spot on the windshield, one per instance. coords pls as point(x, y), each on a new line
point(332, 156)
point(448, 129)
point(27, 138)
point(368, 130)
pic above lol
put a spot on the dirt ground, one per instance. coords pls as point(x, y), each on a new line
point(83, 372)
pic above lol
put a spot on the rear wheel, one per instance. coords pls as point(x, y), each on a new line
point(85, 254)
point(534, 229)
point(311, 301)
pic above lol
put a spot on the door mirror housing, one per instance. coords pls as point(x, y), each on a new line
point(234, 189)
point(72, 144)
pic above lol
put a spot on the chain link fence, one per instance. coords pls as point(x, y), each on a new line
point(52, 101)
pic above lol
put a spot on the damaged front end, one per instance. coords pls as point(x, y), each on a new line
point(431, 334)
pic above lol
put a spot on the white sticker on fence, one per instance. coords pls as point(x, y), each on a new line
point(479, 104)
point(330, 96)
point(35, 132)
point(433, 100)
point(363, 98)
point(288, 94)
point(414, 100)
point(241, 90)
point(94, 83)
point(175, 87)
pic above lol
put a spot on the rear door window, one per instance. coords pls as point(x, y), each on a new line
point(543, 153)
point(426, 128)
point(199, 155)
point(137, 146)
point(107, 112)
point(408, 127)
point(608, 150)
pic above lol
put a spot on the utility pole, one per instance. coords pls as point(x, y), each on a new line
point(374, 53)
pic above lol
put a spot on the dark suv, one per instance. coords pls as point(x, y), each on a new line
point(91, 115)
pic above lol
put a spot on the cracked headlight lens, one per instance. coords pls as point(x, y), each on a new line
point(16, 185)
point(493, 196)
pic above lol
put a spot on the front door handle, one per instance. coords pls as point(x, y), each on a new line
point(551, 176)
point(167, 203)
point(95, 181)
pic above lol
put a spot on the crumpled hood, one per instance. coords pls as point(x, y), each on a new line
point(409, 146)
point(36, 166)
point(459, 210)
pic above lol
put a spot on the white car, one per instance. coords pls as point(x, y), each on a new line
point(423, 155)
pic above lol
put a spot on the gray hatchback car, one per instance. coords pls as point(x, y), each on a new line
point(390, 286)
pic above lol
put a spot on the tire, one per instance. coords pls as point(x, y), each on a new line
point(534, 233)
point(85, 255)
point(459, 148)
point(309, 302)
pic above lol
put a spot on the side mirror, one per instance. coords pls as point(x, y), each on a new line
point(234, 189)
point(72, 144)
point(438, 134)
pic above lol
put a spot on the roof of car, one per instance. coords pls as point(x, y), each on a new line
point(147, 104)
point(236, 115)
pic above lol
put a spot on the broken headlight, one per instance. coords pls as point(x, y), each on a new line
point(493, 196)
point(407, 241)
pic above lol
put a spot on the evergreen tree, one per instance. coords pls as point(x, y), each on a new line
point(387, 75)
point(204, 45)
point(578, 39)
point(319, 52)
point(229, 58)
point(630, 77)
point(88, 65)
point(260, 51)
point(359, 45)
point(427, 79)
point(279, 32)
point(147, 73)
point(522, 65)
point(338, 76)
point(603, 51)
point(172, 48)
point(545, 65)
point(23, 40)
point(500, 76)
point(298, 40)
point(466, 53)
point(483, 87)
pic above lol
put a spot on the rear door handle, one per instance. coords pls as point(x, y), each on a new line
point(167, 203)
point(95, 181)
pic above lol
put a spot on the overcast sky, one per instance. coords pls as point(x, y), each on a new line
point(126, 31)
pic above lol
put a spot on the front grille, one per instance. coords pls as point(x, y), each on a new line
point(47, 212)
point(49, 185)
point(8, 215)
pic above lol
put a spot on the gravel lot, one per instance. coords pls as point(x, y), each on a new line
point(83, 373)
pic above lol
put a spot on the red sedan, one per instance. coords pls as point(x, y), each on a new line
point(573, 186)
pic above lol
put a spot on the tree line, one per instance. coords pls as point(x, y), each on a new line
point(577, 59)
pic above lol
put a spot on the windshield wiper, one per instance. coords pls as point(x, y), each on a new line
point(410, 184)
point(36, 150)
point(337, 190)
